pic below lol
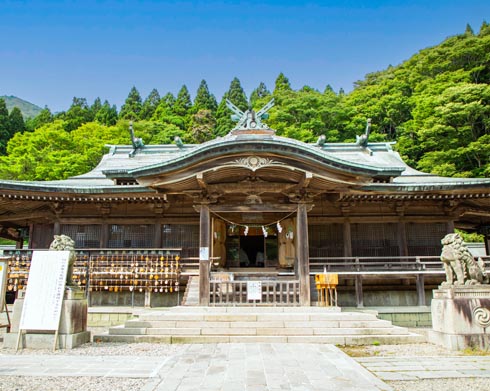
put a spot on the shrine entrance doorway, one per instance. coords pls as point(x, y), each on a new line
point(252, 246)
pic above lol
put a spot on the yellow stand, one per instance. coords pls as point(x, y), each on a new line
point(326, 284)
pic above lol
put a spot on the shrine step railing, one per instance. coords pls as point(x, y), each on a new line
point(254, 293)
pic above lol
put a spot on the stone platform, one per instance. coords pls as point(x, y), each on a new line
point(72, 331)
point(461, 317)
point(258, 324)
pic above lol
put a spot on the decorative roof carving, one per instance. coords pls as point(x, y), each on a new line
point(253, 162)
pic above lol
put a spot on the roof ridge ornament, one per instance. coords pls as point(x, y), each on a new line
point(250, 120)
point(363, 139)
point(136, 141)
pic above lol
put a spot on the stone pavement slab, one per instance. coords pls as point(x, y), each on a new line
point(416, 368)
point(265, 366)
point(213, 367)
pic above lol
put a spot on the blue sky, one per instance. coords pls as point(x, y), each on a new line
point(51, 51)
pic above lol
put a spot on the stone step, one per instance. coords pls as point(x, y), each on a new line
point(330, 339)
point(254, 317)
point(191, 294)
point(285, 324)
point(300, 331)
point(258, 324)
point(199, 309)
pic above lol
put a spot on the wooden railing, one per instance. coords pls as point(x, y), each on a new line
point(380, 265)
point(236, 293)
point(360, 268)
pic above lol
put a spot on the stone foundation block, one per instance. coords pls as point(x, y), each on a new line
point(461, 317)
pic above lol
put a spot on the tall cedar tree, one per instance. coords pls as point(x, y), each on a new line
point(44, 117)
point(282, 84)
point(131, 109)
point(183, 103)
point(237, 96)
point(107, 115)
point(94, 109)
point(260, 92)
point(4, 127)
point(204, 99)
point(16, 121)
point(150, 105)
point(78, 114)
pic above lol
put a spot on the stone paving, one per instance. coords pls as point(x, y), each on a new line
point(416, 368)
point(249, 367)
point(217, 367)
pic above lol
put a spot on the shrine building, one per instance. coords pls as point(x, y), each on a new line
point(250, 206)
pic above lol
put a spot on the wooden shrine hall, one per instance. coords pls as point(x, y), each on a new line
point(253, 206)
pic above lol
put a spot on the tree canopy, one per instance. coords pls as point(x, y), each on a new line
point(435, 105)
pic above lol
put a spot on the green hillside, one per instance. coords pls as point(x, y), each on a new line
point(29, 110)
point(435, 105)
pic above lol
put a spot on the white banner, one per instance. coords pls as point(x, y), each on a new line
point(45, 290)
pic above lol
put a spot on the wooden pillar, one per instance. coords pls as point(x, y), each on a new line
point(157, 240)
point(302, 255)
point(204, 251)
point(57, 228)
point(359, 294)
point(104, 237)
point(347, 240)
point(402, 239)
point(487, 244)
point(420, 289)
point(450, 227)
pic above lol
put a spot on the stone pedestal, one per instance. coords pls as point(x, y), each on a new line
point(461, 317)
point(73, 325)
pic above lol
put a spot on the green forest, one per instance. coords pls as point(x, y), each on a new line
point(435, 105)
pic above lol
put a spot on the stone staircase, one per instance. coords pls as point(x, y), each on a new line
point(258, 324)
point(191, 295)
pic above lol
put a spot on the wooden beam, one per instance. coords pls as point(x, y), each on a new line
point(204, 254)
point(243, 208)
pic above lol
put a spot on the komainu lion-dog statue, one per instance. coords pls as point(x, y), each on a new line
point(65, 243)
point(460, 266)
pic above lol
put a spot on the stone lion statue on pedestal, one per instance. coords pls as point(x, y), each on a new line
point(459, 265)
point(65, 243)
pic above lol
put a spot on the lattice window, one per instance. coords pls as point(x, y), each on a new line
point(182, 236)
point(326, 240)
point(425, 238)
point(85, 236)
point(375, 240)
point(131, 236)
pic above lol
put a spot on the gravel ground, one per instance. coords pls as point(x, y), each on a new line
point(106, 349)
point(31, 383)
point(17, 383)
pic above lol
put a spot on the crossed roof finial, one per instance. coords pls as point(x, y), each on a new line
point(250, 120)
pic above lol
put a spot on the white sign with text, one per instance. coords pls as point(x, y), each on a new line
point(45, 290)
point(254, 290)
